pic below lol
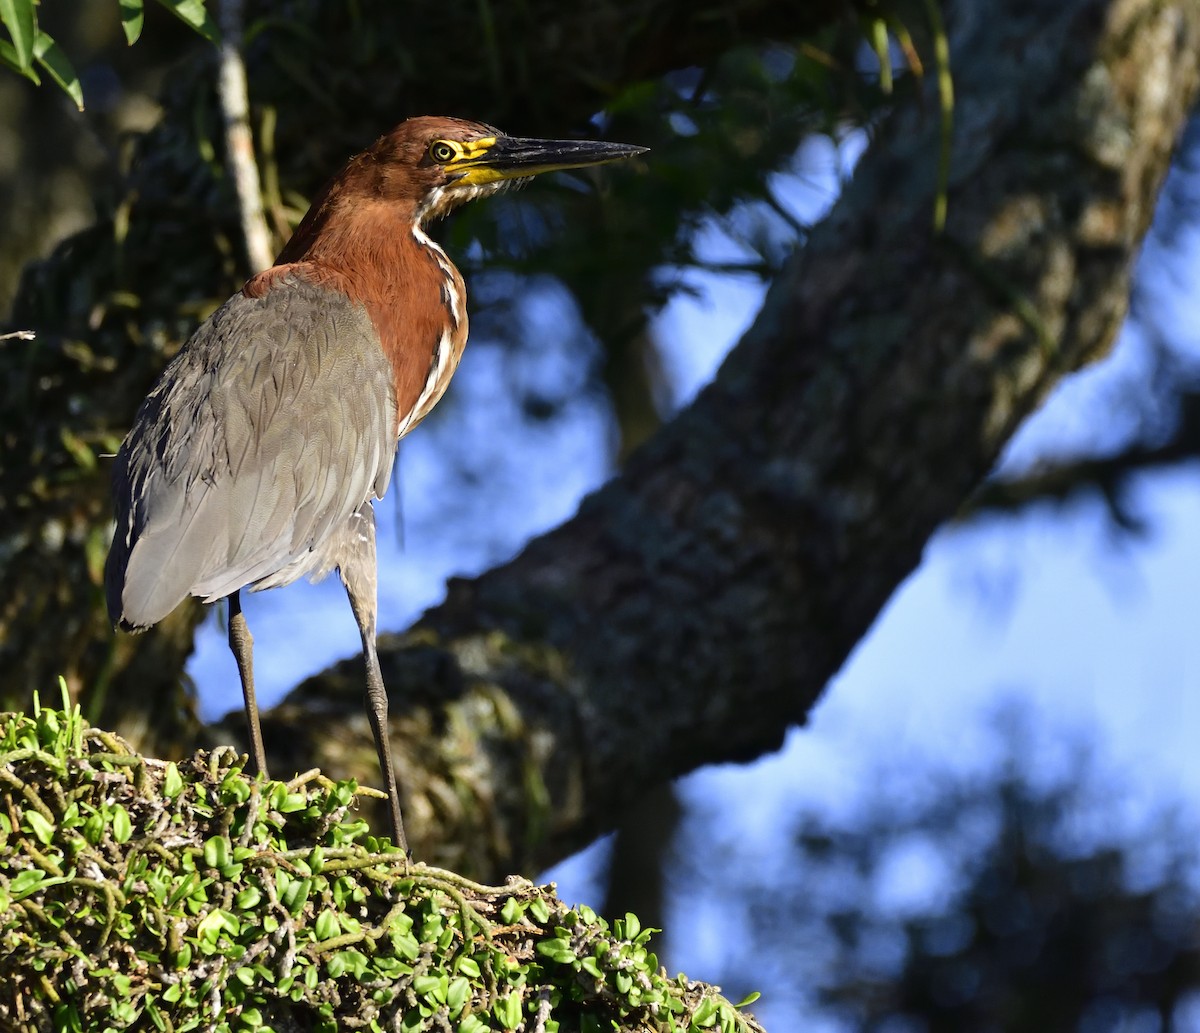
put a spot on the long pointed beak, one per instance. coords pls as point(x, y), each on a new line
point(512, 157)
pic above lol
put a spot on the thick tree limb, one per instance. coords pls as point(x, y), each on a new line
point(113, 303)
point(697, 605)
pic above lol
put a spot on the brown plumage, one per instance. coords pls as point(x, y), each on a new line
point(257, 457)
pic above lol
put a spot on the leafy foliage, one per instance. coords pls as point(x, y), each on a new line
point(136, 893)
point(29, 45)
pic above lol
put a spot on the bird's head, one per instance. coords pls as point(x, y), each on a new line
point(438, 163)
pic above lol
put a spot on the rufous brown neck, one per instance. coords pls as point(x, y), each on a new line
point(366, 249)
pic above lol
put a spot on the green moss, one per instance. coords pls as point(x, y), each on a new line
point(141, 894)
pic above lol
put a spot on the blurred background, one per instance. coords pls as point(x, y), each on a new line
point(990, 821)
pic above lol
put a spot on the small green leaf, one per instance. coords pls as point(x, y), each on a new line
point(429, 986)
point(20, 19)
point(216, 852)
point(26, 882)
point(705, 1013)
point(93, 829)
point(457, 994)
point(212, 925)
point(326, 927)
point(512, 911)
point(192, 12)
point(172, 781)
point(540, 910)
point(508, 1010)
point(296, 895)
point(55, 61)
point(122, 826)
point(40, 827)
point(749, 999)
point(351, 962)
point(132, 16)
point(553, 948)
point(290, 802)
point(247, 898)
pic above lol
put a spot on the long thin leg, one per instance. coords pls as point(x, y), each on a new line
point(358, 575)
point(242, 644)
point(377, 710)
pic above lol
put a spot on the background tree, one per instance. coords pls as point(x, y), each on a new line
point(1026, 896)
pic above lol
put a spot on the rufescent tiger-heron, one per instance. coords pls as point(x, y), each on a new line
point(258, 455)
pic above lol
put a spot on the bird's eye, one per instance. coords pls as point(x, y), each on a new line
point(442, 152)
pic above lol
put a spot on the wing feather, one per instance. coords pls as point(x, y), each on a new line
point(272, 426)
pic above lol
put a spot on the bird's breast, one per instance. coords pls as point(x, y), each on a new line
point(414, 296)
point(448, 348)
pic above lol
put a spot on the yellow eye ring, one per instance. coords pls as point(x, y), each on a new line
point(442, 152)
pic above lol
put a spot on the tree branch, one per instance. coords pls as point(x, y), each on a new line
point(239, 143)
point(114, 302)
point(697, 605)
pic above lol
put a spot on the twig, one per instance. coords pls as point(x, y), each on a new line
point(20, 335)
point(239, 143)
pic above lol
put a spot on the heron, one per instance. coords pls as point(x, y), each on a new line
point(258, 456)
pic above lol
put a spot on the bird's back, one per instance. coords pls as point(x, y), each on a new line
point(272, 426)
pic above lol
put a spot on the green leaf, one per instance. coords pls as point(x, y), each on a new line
point(93, 829)
point(553, 948)
point(540, 910)
point(705, 1013)
point(216, 851)
point(122, 826)
point(434, 986)
point(326, 926)
point(248, 899)
point(508, 1010)
point(26, 882)
point(512, 911)
point(457, 994)
point(193, 13)
point(52, 58)
point(749, 999)
point(632, 925)
point(40, 827)
point(172, 781)
point(296, 895)
point(132, 16)
point(216, 922)
point(351, 962)
point(20, 19)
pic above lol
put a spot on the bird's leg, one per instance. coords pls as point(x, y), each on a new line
point(377, 710)
point(358, 574)
point(242, 644)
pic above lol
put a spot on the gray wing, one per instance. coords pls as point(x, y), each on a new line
point(273, 425)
